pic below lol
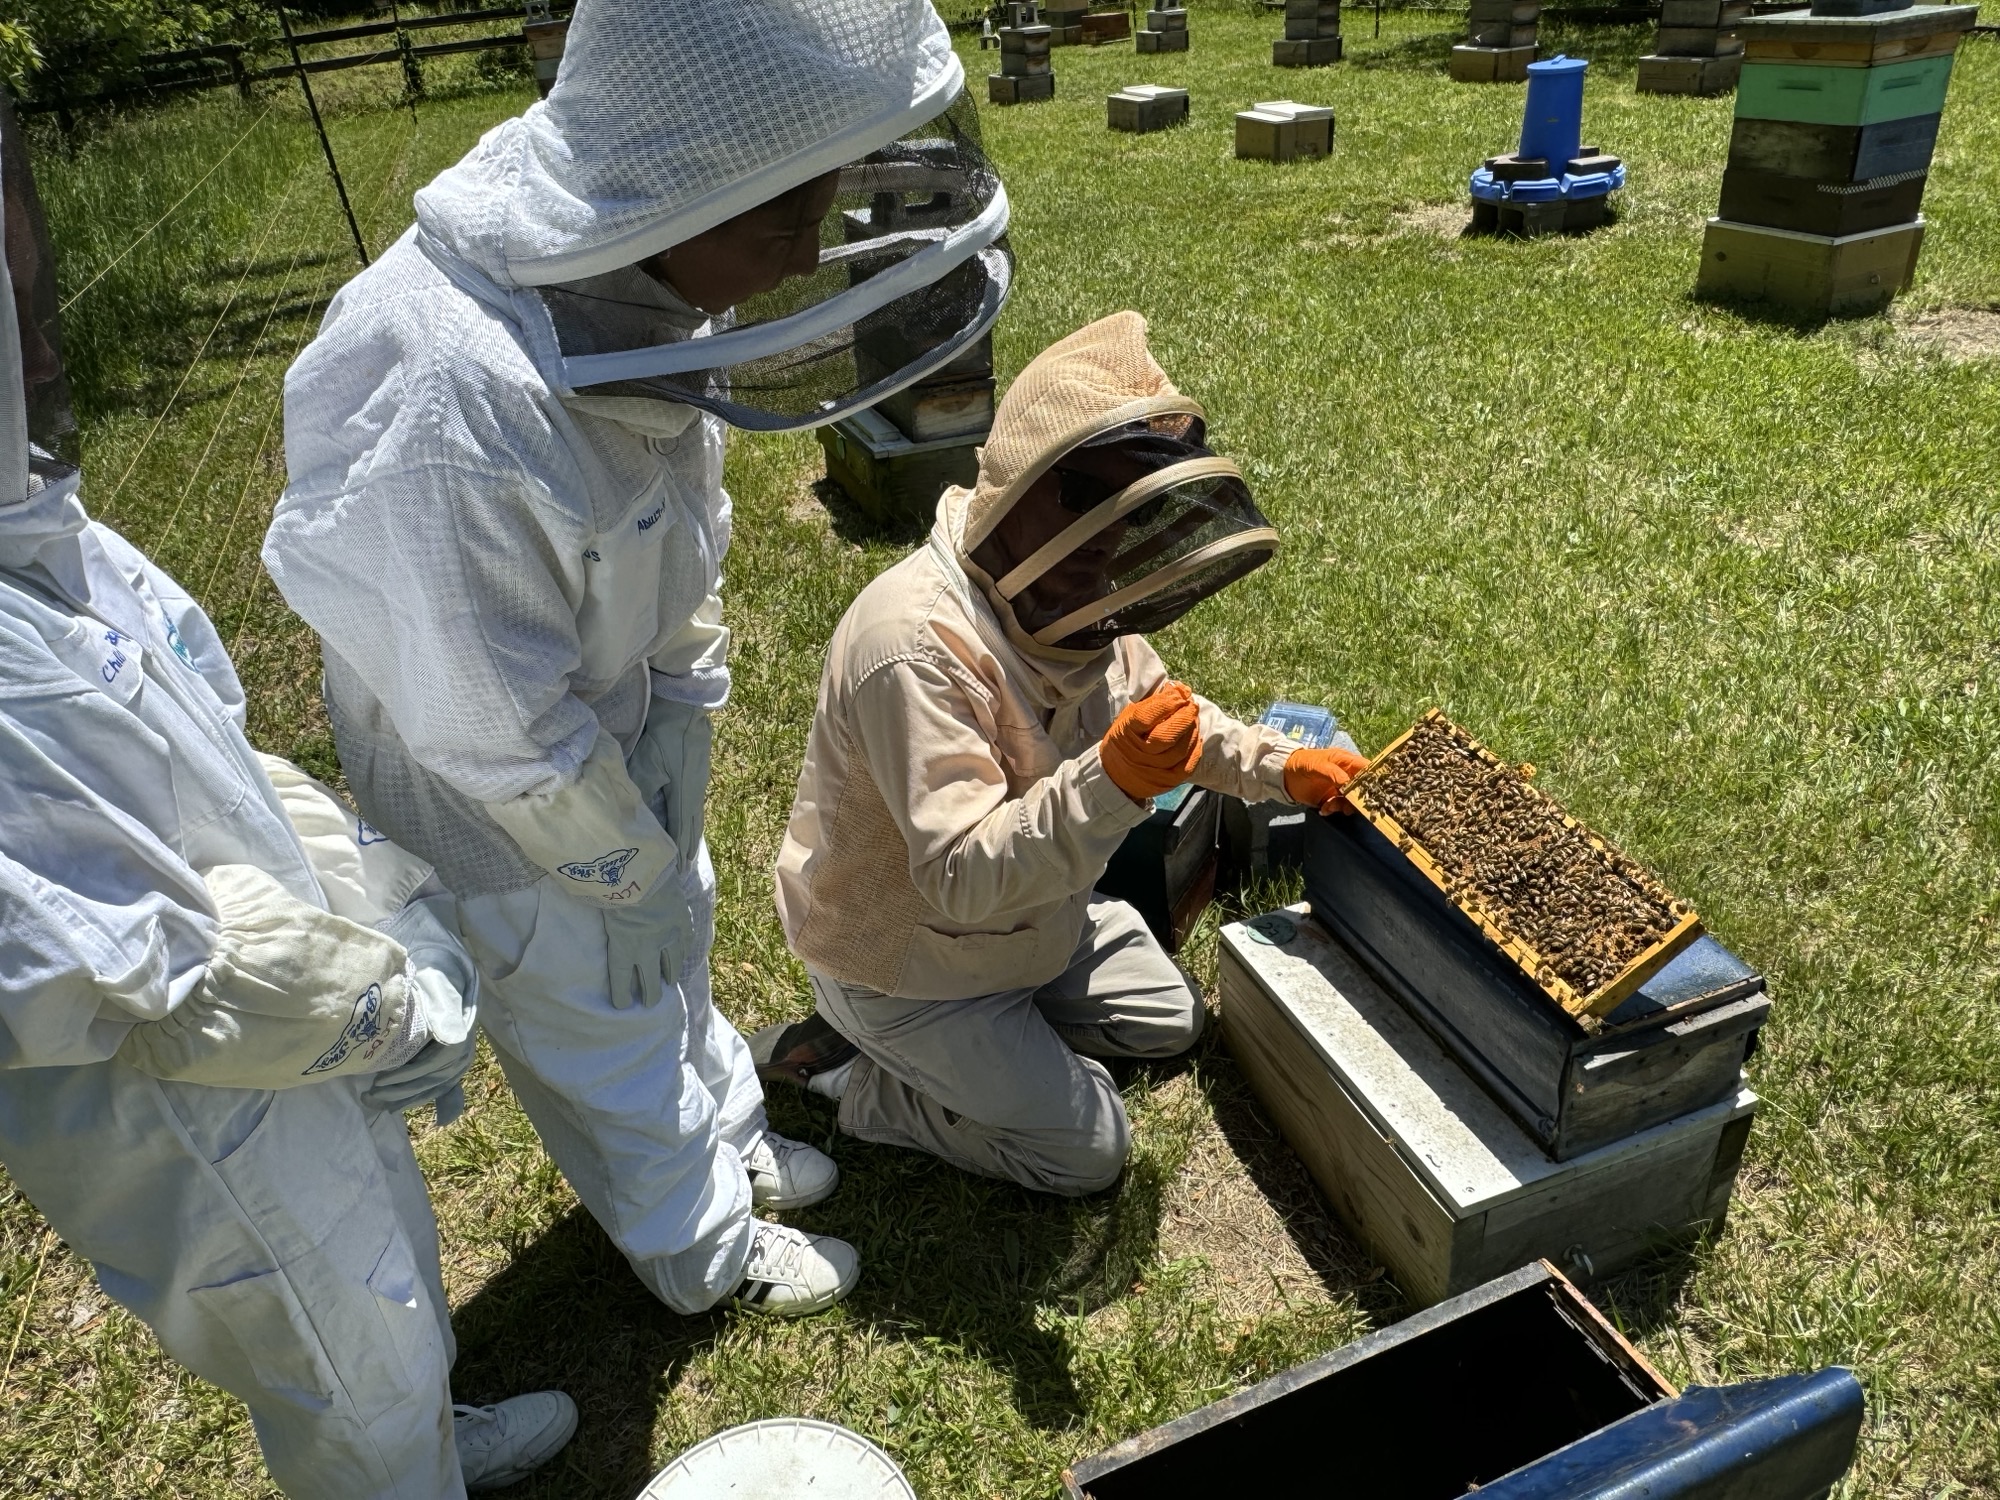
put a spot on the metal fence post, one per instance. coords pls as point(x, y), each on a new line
point(312, 107)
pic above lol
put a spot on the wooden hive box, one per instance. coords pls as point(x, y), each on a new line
point(1517, 1390)
point(1574, 1083)
point(1166, 867)
point(892, 479)
point(1430, 1174)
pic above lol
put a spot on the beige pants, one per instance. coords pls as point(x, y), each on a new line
point(1007, 1085)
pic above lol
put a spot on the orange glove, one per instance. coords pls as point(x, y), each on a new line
point(1316, 777)
point(1154, 744)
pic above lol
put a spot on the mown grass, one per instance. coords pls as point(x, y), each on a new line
point(1729, 581)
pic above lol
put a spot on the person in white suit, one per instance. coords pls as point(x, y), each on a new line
point(506, 520)
point(218, 992)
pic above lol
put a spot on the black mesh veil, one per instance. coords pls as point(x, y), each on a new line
point(913, 268)
point(43, 388)
point(1125, 534)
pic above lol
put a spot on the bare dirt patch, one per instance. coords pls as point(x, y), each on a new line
point(1958, 333)
point(1445, 221)
point(1243, 1202)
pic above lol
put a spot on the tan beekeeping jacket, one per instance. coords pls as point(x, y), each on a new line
point(951, 818)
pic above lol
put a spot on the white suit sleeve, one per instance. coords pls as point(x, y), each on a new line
point(76, 973)
point(453, 593)
point(977, 852)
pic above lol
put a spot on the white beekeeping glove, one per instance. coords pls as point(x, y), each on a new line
point(293, 995)
point(602, 844)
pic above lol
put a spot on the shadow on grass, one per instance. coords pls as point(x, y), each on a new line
point(1339, 1262)
point(568, 1314)
point(1645, 1297)
point(857, 528)
point(968, 1260)
point(1429, 53)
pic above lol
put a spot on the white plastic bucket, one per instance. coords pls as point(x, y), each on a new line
point(784, 1458)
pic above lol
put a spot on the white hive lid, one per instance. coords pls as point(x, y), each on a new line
point(780, 1459)
point(1287, 109)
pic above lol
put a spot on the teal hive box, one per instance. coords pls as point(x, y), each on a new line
point(1842, 96)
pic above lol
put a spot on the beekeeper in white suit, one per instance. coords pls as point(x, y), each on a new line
point(506, 520)
point(217, 994)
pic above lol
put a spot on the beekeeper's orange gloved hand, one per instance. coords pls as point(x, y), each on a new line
point(1317, 777)
point(1154, 744)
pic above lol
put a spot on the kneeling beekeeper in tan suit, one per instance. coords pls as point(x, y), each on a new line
point(991, 725)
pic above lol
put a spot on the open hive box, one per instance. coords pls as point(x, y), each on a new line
point(1556, 971)
point(1586, 924)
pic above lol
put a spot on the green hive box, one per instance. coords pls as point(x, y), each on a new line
point(1816, 95)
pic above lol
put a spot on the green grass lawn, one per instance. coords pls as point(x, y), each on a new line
point(1730, 582)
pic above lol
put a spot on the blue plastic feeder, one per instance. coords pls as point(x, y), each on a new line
point(1554, 182)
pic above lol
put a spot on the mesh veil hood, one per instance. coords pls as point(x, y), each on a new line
point(1097, 378)
point(671, 116)
point(1099, 510)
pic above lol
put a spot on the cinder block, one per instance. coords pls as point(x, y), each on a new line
point(1145, 107)
point(1032, 89)
point(1824, 275)
point(1491, 64)
point(1316, 53)
point(1500, 34)
point(1696, 41)
point(1689, 75)
point(1162, 41)
point(1714, 14)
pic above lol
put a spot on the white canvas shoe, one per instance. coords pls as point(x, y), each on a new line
point(789, 1174)
point(791, 1273)
point(502, 1444)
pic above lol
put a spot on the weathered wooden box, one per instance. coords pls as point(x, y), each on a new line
point(1166, 866)
point(1574, 1083)
point(1430, 1174)
point(1517, 1390)
point(1833, 275)
point(1490, 64)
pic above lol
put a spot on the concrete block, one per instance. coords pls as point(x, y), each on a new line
point(1002, 88)
point(1162, 41)
point(1696, 41)
point(1500, 34)
point(1491, 64)
point(1291, 53)
point(1688, 75)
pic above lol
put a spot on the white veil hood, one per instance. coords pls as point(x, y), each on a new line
point(671, 116)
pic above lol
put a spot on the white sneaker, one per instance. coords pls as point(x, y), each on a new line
point(502, 1444)
point(791, 1273)
point(789, 1174)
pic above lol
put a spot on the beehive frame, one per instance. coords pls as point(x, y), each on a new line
point(1538, 969)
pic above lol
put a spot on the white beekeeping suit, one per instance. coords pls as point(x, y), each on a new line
point(216, 996)
point(506, 520)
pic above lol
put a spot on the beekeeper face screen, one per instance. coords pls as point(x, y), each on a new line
point(1124, 534)
point(37, 428)
point(753, 253)
point(912, 267)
